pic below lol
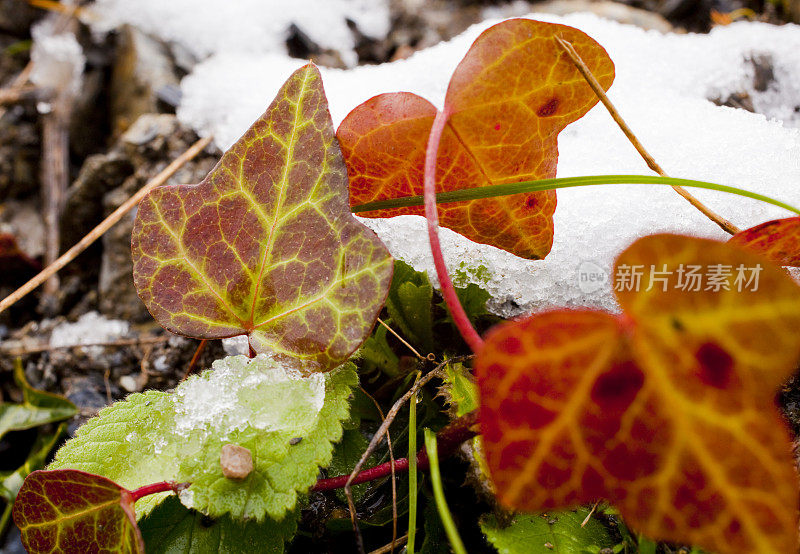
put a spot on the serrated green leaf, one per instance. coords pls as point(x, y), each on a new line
point(459, 389)
point(552, 533)
point(37, 408)
point(172, 528)
point(265, 245)
point(258, 404)
point(345, 457)
point(409, 305)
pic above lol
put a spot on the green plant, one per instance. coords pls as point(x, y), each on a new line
point(574, 405)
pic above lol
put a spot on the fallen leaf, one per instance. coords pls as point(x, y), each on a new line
point(778, 240)
point(73, 511)
point(266, 245)
point(508, 99)
point(668, 410)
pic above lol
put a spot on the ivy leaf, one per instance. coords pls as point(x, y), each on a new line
point(37, 408)
point(174, 529)
point(73, 511)
point(668, 411)
point(554, 533)
point(778, 240)
point(288, 423)
point(508, 99)
point(266, 245)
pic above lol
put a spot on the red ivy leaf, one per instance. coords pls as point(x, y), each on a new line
point(266, 245)
point(72, 511)
point(667, 411)
point(508, 99)
point(778, 240)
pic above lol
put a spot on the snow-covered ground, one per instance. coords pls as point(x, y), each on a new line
point(662, 89)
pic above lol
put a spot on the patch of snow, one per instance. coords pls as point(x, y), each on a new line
point(236, 346)
point(249, 27)
point(91, 328)
point(259, 393)
point(186, 497)
point(662, 89)
point(58, 59)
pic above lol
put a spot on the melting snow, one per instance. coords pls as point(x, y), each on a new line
point(662, 89)
point(244, 393)
point(91, 328)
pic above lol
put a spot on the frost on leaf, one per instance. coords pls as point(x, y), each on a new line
point(258, 404)
point(668, 411)
point(266, 245)
point(508, 99)
point(778, 240)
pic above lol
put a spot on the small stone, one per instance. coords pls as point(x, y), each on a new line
point(549, 545)
point(236, 461)
point(295, 440)
point(129, 383)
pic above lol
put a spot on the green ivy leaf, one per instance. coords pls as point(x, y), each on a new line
point(174, 529)
point(266, 245)
point(288, 423)
point(37, 408)
point(552, 533)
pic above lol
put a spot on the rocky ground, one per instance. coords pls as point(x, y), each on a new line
point(120, 130)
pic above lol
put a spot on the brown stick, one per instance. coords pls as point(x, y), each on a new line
point(726, 225)
point(55, 180)
point(11, 95)
point(105, 225)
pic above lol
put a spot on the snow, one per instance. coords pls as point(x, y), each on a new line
point(91, 328)
point(58, 59)
point(662, 89)
point(248, 27)
point(242, 393)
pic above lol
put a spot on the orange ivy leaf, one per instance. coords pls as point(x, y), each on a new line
point(73, 511)
point(668, 411)
point(266, 245)
point(778, 240)
point(508, 99)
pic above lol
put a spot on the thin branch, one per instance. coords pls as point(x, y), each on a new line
point(14, 350)
point(391, 546)
point(350, 503)
point(401, 339)
point(195, 357)
point(105, 225)
point(460, 318)
point(726, 225)
point(449, 438)
point(12, 95)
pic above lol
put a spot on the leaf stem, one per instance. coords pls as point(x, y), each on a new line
point(573, 55)
point(449, 438)
point(505, 189)
point(460, 318)
point(438, 495)
point(163, 486)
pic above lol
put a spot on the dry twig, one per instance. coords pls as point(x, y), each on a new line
point(726, 225)
point(105, 225)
